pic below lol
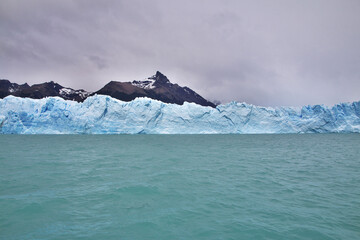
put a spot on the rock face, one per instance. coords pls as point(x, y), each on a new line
point(101, 114)
point(38, 91)
point(156, 87)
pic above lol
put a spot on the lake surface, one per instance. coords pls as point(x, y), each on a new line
point(180, 186)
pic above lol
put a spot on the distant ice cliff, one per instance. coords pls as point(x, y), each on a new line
point(105, 115)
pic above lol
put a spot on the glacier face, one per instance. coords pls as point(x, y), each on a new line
point(101, 114)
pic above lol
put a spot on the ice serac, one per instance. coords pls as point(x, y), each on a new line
point(101, 114)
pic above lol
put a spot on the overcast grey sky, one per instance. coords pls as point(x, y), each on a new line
point(267, 52)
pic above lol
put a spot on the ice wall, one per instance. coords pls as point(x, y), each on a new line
point(105, 115)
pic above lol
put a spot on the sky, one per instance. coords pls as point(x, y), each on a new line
point(268, 53)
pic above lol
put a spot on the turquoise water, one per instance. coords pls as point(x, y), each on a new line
point(180, 187)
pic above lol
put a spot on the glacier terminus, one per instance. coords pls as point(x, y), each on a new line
point(100, 114)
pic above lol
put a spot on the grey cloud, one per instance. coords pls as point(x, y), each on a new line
point(99, 62)
point(262, 52)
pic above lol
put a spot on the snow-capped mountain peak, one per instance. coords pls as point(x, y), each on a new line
point(156, 87)
point(149, 83)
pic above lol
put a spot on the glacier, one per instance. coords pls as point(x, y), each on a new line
point(100, 114)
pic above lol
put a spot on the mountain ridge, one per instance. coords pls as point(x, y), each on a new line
point(156, 87)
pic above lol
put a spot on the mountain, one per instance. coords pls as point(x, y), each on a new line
point(7, 88)
point(101, 114)
point(156, 87)
point(38, 91)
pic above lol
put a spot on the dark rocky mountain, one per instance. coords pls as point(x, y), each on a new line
point(37, 91)
point(8, 88)
point(156, 87)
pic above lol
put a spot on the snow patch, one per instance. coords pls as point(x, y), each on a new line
point(64, 92)
point(145, 84)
